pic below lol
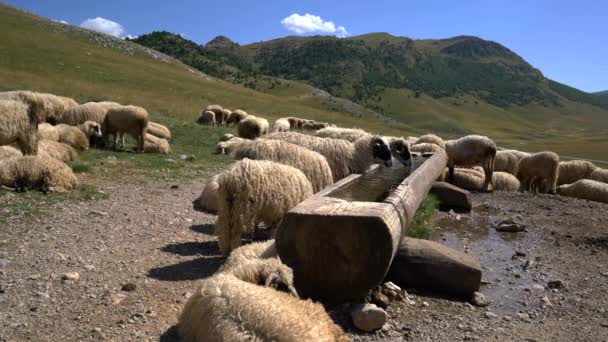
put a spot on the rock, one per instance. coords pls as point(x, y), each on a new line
point(391, 286)
point(4, 263)
point(556, 284)
point(604, 274)
point(509, 226)
point(380, 299)
point(117, 298)
point(478, 299)
point(545, 301)
point(452, 197)
point(129, 287)
point(428, 265)
point(368, 317)
point(98, 213)
point(71, 276)
point(490, 315)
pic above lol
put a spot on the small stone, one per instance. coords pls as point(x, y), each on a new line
point(478, 299)
point(34, 276)
point(71, 276)
point(380, 299)
point(555, 284)
point(546, 302)
point(4, 263)
point(368, 317)
point(509, 226)
point(391, 286)
point(129, 287)
point(425, 304)
point(490, 315)
point(604, 274)
point(98, 213)
point(89, 267)
point(507, 318)
point(538, 287)
point(117, 298)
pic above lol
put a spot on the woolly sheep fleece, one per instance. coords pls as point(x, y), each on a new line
point(90, 111)
point(426, 148)
point(538, 171)
point(19, 124)
point(90, 129)
point(276, 189)
point(130, 120)
point(236, 117)
point(586, 189)
point(504, 181)
point(350, 134)
point(220, 115)
point(207, 118)
point(574, 170)
point(53, 105)
point(48, 132)
point(281, 125)
point(468, 179)
point(9, 152)
point(472, 150)
point(342, 156)
point(431, 139)
point(312, 164)
point(37, 172)
point(252, 127)
point(158, 130)
point(73, 136)
point(208, 200)
point(153, 144)
point(600, 175)
point(57, 150)
point(506, 160)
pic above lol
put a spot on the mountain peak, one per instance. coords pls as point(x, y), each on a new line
point(220, 42)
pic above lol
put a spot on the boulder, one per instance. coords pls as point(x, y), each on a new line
point(368, 317)
point(452, 197)
point(430, 266)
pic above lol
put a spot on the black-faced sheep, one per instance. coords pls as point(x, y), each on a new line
point(236, 117)
point(37, 172)
point(57, 150)
point(312, 164)
point(507, 160)
point(207, 118)
point(281, 125)
point(538, 171)
point(574, 170)
point(208, 200)
point(350, 134)
point(73, 136)
point(130, 120)
point(9, 152)
point(431, 139)
point(90, 111)
point(600, 175)
point(426, 148)
point(470, 151)
point(255, 191)
point(158, 130)
point(400, 150)
point(586, 189)
point(19, 124)
point(344, 157)
point(91, 129)
point(252, 127)
point(153, 144)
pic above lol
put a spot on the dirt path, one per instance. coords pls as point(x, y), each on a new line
point(152, 238)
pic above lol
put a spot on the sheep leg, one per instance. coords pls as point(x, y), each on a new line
point(451, 172)
point(486, 183)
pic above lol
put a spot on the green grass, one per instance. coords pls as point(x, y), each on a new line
point(423, 220)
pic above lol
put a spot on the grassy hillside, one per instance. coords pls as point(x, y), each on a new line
point(602, 93)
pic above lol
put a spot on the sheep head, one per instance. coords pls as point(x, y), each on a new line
point(400, 150)
point(381, 151)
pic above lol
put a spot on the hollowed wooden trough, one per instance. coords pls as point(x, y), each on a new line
point(339, 250)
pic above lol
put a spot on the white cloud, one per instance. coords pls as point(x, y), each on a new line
point(308, 23)
point(103, 25)
point(60, 21)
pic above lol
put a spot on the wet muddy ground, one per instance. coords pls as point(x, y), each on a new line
point(140, 252)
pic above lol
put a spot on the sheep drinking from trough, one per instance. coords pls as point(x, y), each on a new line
point(255, 191)
point(37, 172)
point(586, 189)
point(344, 157)
point(252, 127)
point(538, 171)
point(312, 164)
point(469, 151)
point(19, 124)
point(130, 120)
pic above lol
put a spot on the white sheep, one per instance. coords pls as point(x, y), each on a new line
point(350, 134)
point(73, 136)
point(207, 118)
point(57, 150)
point(90, 111)
point(9, 152)
point(538, 171)
point(586, 189)
point(220, 115)
point(48, 132)
point(130, 120)
point(54, 106)
point(426, 148)
point(600, 175)
point(281, 125)
point(344, 157)
point(312, 164)
point(236, 117)
point(507, 160)
point(255, 191)
point(19, 124)
point(37, 172)
point(252, 127)
point(574, 170)
point(431, 139)
point(469, 151)
point(153, 144)
point(158, 130)
point(504, 181)
point(208, 200)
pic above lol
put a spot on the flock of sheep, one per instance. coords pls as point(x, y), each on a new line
point(276, 171)
point(49, 130)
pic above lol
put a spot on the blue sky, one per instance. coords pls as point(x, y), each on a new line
point(566, 40)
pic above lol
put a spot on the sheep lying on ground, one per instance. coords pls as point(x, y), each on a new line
point(574, 170)
point(411, 140)
point(506, 160)
point(19, 124)
point(130, 120)
point(344, 157)
point(226, 308)
point(538, 171)
point(226, 137)
point(600, 175)
point(252, 127)
point(472, 150)
point(48, 132)
point(90, 111)
point(236, 117)
point(57, 150)
point(586, 189)
point(153, 144)
point(426, 148)
point(250, 252)
point(37, 172)
point(276, 189)
point(350, 134)
point(431, 139)
point(9, 152)
point(468, 179)
point(314, 125)
point(158, 130)
point(73, 136)
point(504, 181)
point(228, 147)
point(91, 129)
point(281, 125)
point(312, 164)
point(208, 200)
point(296, 123)
point(207, 118)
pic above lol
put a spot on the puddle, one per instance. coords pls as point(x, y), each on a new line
point(375, 186)
point(508, 279)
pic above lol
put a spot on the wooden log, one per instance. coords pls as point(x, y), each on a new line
point(340, 250)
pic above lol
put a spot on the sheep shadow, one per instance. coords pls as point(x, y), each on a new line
point(170, 335)
point(208, 229)
point(188, 270)
point(208, 248)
